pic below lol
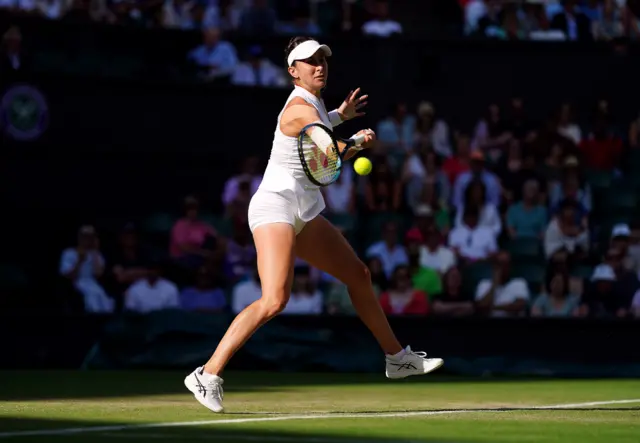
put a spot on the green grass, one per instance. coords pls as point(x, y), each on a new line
point(426, 409)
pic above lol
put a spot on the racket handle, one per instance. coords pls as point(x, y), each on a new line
point(358, 140)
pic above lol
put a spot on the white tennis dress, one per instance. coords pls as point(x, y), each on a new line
point(286, 195)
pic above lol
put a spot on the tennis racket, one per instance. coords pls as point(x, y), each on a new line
point(322, 153)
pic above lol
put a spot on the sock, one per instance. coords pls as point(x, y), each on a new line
point(397, 356)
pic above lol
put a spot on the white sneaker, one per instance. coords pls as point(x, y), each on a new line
point(411, 363)
point(206, 388)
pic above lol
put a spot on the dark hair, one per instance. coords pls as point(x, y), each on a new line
point(551, 274)
point(396, 271)
point(469, 190)
point(295, 41)
point(471, 211)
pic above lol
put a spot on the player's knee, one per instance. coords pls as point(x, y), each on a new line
point(272, 306)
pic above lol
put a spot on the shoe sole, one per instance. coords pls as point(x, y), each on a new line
point(398, 376)
point(198, 398)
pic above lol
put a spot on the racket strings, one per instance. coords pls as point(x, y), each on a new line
point(322, 167)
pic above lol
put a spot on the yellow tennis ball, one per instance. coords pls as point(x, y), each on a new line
point(362, 166)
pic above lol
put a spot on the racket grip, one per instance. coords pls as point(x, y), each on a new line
point(358, 139)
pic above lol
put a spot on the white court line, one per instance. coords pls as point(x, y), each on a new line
point(251, 438)
point(113, 428)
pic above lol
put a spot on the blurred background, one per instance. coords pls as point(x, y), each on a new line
point(500, 221)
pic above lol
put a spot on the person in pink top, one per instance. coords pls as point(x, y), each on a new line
point(192, 240)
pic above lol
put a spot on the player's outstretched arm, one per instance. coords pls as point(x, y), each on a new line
point(350, 108)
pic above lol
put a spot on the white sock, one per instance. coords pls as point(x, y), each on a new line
point(397, 356)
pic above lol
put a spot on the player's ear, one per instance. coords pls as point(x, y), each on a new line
point(293, 72)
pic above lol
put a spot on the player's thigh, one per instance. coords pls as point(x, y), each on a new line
point(323, 246)
point(275, 243)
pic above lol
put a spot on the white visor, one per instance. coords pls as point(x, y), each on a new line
point(306, 49)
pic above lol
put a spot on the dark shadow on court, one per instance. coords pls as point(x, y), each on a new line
point(219, 434)
point(51, 385)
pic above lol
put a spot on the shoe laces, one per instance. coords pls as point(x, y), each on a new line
point(420, 354)
point(215, 387)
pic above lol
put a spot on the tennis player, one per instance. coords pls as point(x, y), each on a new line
point(284, 216)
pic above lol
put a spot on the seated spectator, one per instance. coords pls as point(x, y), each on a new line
point(205, 295)
point(491, 133)
point(502, 296)
point(474, 10)
point(305, 298)
point(338, 301)
point(635, 305)
point(554, 163)
point(379, 278)
point(470, 241)
point(621, 241)
point(574, 24)
point(84, 266)
point(258, 70)
point(383, 191)
point(475, 196)
point(381, 25)
point(240, 255)
point(431, 211)
point(460, 161)
point(129, 261)
point(601, 298)
point(520, 125)
point(422, 278)
point(452, 302)
point(433, 255)
point(634, 246)
point(390, 253)
point(567, 127)
point(245, 293)
point(402, 298)
point(626, 283)
point(527, 218)
point(608, 25)
point(602, 149)
point(397, 131)
point(151, 293)
point(515, 169)
point(215, 59)
point(259, 19)
point(564, 232)
point(556, 301)
point(571, 187)
point(477, 172)
point(300, 25)
point(192, 240)
point(340, 197)
point(248, 173)
point(432, 132)
point(419, 169)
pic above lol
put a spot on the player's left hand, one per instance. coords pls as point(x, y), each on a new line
point(369, 138)
point(351, 106)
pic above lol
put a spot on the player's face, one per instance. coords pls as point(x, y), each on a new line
point(312, 72)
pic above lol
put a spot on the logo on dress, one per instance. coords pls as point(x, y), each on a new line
point(25, 113)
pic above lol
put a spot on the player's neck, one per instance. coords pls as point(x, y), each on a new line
point(309, 90)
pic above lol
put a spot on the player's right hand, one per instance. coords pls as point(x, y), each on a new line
point(369, 138)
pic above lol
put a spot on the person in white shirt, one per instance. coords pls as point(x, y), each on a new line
point(388, 250)
point(305, 297)
point(258, 71)
point(563, 232)
point(470, 241)
point(502, 296)
point(381, 25)
point(476, 195)
point(215, 57)
point(152, 293)
point(434, 255)
point(245, 293)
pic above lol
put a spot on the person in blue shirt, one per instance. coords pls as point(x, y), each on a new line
point(527, 218)
point(215, 58)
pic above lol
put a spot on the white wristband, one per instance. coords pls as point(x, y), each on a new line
point(334, 118)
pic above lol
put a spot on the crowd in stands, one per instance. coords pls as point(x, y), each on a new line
point(516, 218)
point(552, 20)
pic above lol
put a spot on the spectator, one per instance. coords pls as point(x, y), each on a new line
point(340, 197)
point(245, 293)
point(602, 299)
point(192, 240)
point(470, 241)
point(423, 279)
point(436, 256)
point(602, 150)
point(205, 296)
point(258, 70)
point(129, 261)
point(383, 191)
point(635, 305)
point(305, 298)
point(556, 301)
point(517, 170)
point(544, 32)
point(626, 282)
point(502, 296)
point(398, 130)
point(337, 300)
point(459, 163)
point(401, 298)
point(378, 277)
point(491, 132)
point(554, 164)
point(301, 24)
point(527, 218)
point(608, 26)
point(419, 169)
point(519, 123)
point(381, 25)
point(478, 172)
point(240, 253)
point(473, 12)
point(452, 302)
point(78, 12)
point(152, 293)
point(564, 232)
point(621, 241)
point(83, 266)
point(178, 14)
point(259, 19)
point(388, 250)
point(215, 59)
point(567, 126)
point(571, 188)
point(634, 246)
point(12, 58)
point(574, 24)
point(432, 132)
point(51, 9)
point(475, 196)
point(248, 173)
